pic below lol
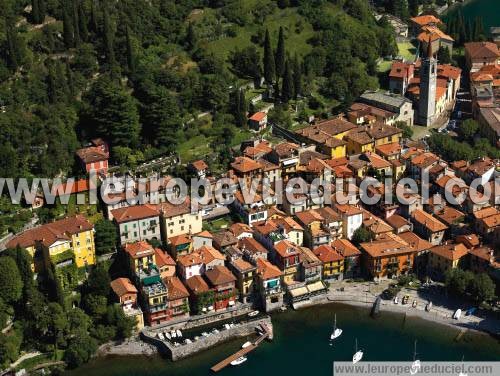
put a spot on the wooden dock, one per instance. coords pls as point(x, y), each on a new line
point(224, 363)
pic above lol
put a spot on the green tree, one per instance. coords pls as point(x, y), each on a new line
point(105, 237)
point(246, 62)
point(458, 281)
point(407, 130)
point(297, 77)
point(80, 350)
point(361, 235)
point(82, 22)
point(280, 54)
point(130, 52)
point(287, 84)
point(68, 27)
point(113, 112)
point(468, 129)
point(10, 346)
point(108, 39)
point(98, 282)
point(268, 62)
point(10, 280)
point(443, 55)
point(483, 288)
point(191, 37)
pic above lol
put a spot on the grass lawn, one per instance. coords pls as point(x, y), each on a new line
point(193, 148)
point(407, 50)
point(297, 32)
point(217, 224)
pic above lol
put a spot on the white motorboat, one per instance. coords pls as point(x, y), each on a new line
point(204, 334)
point(396, 300)
point(160, 336)
point(358, 355)
point(173, 334)
point(415, 366)
point(179, 333)
point(167, 334)
point(336, 331)
point(239, 361)
point(226, 326)
point(253, 313)
point(457, 314)
point(246, 344)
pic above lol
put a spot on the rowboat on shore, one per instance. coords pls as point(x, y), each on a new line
point(457, 314)
point(428, 306)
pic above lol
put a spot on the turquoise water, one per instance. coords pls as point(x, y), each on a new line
point(301, 345)
point(488, 10)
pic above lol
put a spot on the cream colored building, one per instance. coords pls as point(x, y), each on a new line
point(179, 220)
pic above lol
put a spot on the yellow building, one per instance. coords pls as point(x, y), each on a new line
point(59, 242)
point(245, 273)
point(446, 256)
point(179, 220)
point(333, 262)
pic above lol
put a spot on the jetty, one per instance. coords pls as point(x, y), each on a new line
point(265, 331)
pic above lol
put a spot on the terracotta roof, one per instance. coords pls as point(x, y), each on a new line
point(286, 248)
point(92, 154)
point(449, 71)
point(428, 221)
point(327, 254)
point(400, 69)
point(486, 212)
point(389, 149)
point(251, 245)
point(484, 253)
point(219, 275)
point(348, 209)
point(191, 259)
point(450, 252)
point(51, 232)
point(122, 286)
point(258, 116)
point(199, 165)
point(469, 240)
point(239, 228)
point(169, 210)
point(323, 131)
point(426, 20)
point(176, 289)
point(309, 216)
point(179, 239)
point(482, 50)
point(414, 241)
point(267, 270)
point(244, 164)
point(345, 248)
point(81, 185)
point(431, 33)
point(224, 239)
point(396, 221)
point(288, 223)
point(242, 265)
point(449, 215)
point(139, 249)
point(133, 213)
point(209, 254)
point(387, 246)
point(163, 258)
point(197, 284)
point(286, 149)
point(204, 234)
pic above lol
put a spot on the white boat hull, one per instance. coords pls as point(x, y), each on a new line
point(336, 334)
point(415, 367)
point(238, 361)
point(457, 314)
point(357, 357)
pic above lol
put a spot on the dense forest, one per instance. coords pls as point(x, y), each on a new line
point(137, 72)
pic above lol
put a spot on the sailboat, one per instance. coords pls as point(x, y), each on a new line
point(415, 366)
point(462, 373)
point(336, 331)
point(358, 355)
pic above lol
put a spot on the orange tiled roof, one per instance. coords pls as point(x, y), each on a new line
point(220, 275)
point(258, 116)
point(414, 241)
point(197, 284)
point(482, 50)
point(133, 213)
point(176, 289)
point(286, 248)
point(267, 270)
point(244, 164)
point(428, 221)
point(426, 20)
point(122, 286)
point(345, 248)
point(450, 252)
point(327, 254)
point(163, 259)
point(139, 249)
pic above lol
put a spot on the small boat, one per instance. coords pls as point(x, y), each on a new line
point(283, 308)
point(396, 300)
point(358, 355)
point(457, 314)
point(428, 306)
point(239, 361)
point(414, 304)
point(160, 336)
point(470, 311)
point(167, 334)
point(415, 366)
point(179, 333)
point(173, 334)
point(253, 313)
point(336, 331)
point(204, 334)
point(405, 299)
point(187, 341)
point(196, 338)
point(246, 344)
point(215, 331)
point(226, 326)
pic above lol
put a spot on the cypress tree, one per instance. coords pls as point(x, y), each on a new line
point(69, 78)
point(51, 82)
point(108, 39)
point(269, 65)
point(287, 85)
point(93, 18)
point(237, 108)
point(76, 22)
point(42, 9)
point(12, 43)
point(297, 77)
point(130, 52)
point(191, 39)
point(243, 109)
point(280, 54)
point(68, 31)
point(82, 23)
point(35, 11)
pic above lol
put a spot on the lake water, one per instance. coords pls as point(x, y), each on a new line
point(301, 345)
point(488, 10)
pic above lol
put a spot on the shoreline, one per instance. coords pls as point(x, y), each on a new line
point(134, 346)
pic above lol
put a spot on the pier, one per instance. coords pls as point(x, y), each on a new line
point(266, 333)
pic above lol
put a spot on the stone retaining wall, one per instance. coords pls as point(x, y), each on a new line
point(203, 343)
